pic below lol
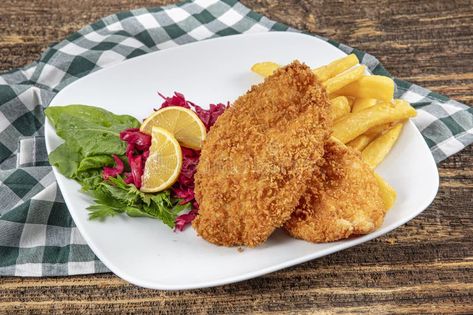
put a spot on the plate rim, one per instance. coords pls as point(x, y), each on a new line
point(344, 244)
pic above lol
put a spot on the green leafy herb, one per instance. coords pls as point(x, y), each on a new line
point(114, 196)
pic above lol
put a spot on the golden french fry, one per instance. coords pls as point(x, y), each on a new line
point(323, 73)
point(339, 106)
point(351, 101)
point(336, 83)
point(335, 67)
point(377, 130)
point(376, 151)
point(362, 103)
point(264, 69)
point(370, 86)
point(386, 191)
point(355, 124)
point(360, 142)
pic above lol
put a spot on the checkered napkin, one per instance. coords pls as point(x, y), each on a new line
point(37, 234)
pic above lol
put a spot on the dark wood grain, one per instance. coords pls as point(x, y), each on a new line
point(426, 266)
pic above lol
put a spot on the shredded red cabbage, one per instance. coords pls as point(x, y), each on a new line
point(135, 139)
point(128, 178)
point(136, 166)
point(190, 159)
point(137, 151)
point(113, 171)
point(184, 219)
point(184, 187)
point(209, 116)
point(177, 100)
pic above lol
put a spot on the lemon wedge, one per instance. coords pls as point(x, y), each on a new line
point(183, 123)
point(164, 162)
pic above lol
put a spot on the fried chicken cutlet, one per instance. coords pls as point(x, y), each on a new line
point(342, 199)
point(259, 156)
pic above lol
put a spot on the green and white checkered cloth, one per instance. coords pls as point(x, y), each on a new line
point(37, 234)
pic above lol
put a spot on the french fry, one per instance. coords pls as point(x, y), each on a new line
point(323, 73)
point(334, 84)
point(335, 67)
point(370, 86)
point(376, 151)
point(264, 69)
point(355, 124)
point(360, 142)
point(377, 130)
point(351, 100)
point(386, 191)
point(362, 103)
point(339, 106)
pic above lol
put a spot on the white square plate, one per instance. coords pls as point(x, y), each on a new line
point(149, 254)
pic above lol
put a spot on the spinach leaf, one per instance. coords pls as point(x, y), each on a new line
point(91, 136)
point(91, 130)
point(66, 158)
point(96, 161)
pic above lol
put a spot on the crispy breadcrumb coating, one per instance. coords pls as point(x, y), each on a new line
point(259, 156)
point(342, 199)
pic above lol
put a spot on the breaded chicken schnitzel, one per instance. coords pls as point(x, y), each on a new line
point(259, 156)
point(342, 199)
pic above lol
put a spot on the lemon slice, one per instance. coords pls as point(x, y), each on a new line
point(183, 123)
point(164, 162)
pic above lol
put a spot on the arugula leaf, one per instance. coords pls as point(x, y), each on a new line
point(100, 212)
point(114, 196)
point(136, 212)
point(169, 214)
point(89, 179)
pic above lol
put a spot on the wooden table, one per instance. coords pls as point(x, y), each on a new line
point(423, 266)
